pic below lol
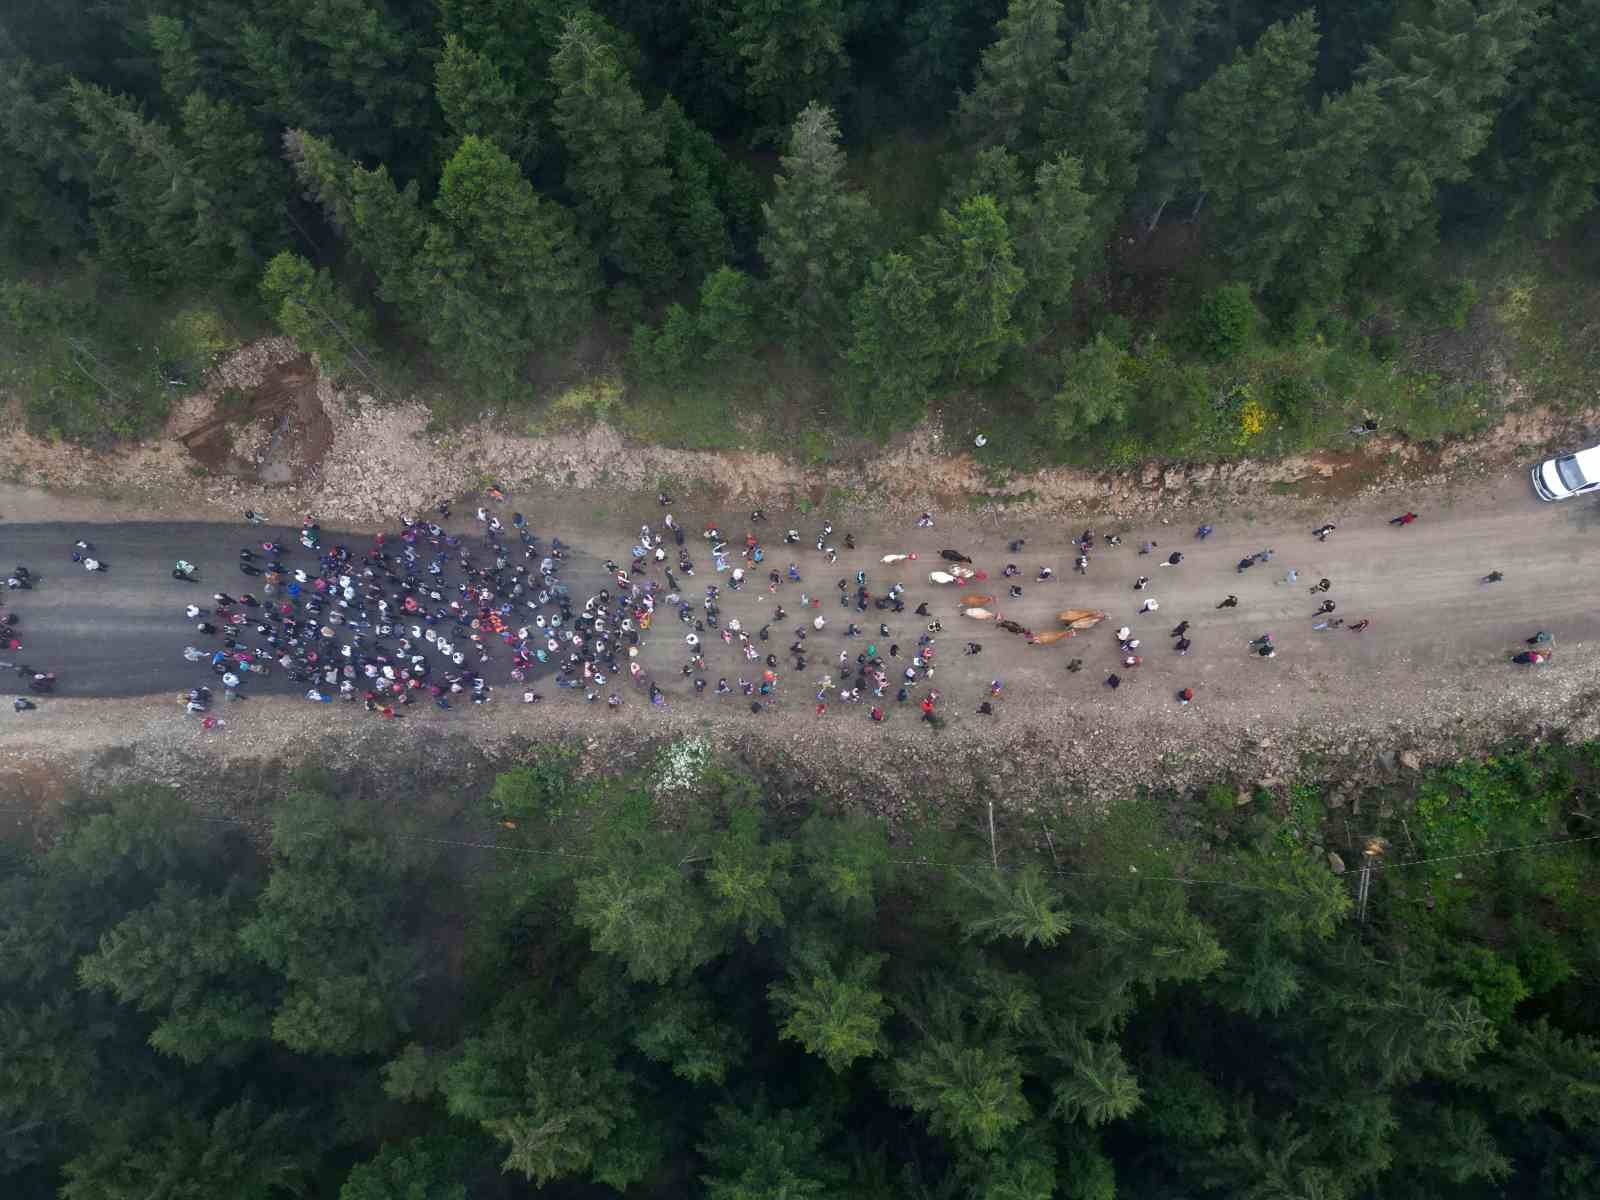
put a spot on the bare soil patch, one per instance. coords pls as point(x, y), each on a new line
point(274, 432)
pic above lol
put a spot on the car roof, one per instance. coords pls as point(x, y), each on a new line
point(1589, 462)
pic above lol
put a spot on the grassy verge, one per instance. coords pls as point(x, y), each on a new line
point(94, 365)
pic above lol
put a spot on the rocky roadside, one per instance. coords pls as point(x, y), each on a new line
point(370, 461)
point(1036, 770)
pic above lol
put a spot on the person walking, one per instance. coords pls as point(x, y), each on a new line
point(1494, 577)
point(1321, 532)
point(1403, 519)
point(1326, 607)
point(1230, 601)
point(1150, 605)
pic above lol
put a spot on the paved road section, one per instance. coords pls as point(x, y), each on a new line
point(121, 632)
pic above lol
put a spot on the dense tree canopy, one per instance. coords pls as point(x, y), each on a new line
point(732, 993)
point(472, 183)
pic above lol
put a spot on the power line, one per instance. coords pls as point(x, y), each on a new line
point(1133, 875)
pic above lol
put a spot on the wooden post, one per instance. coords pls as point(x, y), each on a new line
point(994, 852)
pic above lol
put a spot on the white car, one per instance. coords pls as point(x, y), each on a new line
point(1567, 476)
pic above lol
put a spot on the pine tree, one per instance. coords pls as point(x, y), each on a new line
point(1539, 1068)
point(970, 264)
point(42, 210)
point(174, 43)
point(791, 52)
point(1453, 1144)
point(238, 1151)
point(1006, 106)
point(893, 353)
point(325, 177)
point(179, 959)
point(1303, 250)
point(700, 177)
point(1234, 131)
point(836, 1015)
point(557, 1104)
point(1548, 139)
point(652, 918)
point(1051, 230)
point(321, 318)
point(506, 271)
point(1098, 1086)
point(476, 98)
point(425, 1168)
point(140, 191)
point(816, 232)
point(1441, 83)
point(352, 70)
point(1099, 111)
point(617, 154)
point(1024, 1169)
point(388, 231)
point(969, 1093)
point(748, 876)
point(755, 1153)
point(325, 924)
point(1020, 905)
point(515, 37)
point(238, 190)
point(687, 1029)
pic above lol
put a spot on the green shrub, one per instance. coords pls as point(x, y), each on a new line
point(1439, 305)
point(1222, 322)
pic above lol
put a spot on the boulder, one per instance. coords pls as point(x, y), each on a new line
point(1411, 760)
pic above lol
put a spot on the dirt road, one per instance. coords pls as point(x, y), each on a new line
point(1438, 645)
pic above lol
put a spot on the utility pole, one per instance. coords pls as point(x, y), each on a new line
point(994, 853)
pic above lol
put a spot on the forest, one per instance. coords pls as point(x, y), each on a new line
point(688, 980)
point(1106, 230)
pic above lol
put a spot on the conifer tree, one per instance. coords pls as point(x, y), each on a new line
point(617, 154)
point(1018, 70)
point(816, 232)
point(1099, 109)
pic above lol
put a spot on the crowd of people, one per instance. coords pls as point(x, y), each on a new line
point(428, 615)
point(420, 616)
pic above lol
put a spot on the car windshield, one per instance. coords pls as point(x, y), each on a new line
point(1571, 477)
